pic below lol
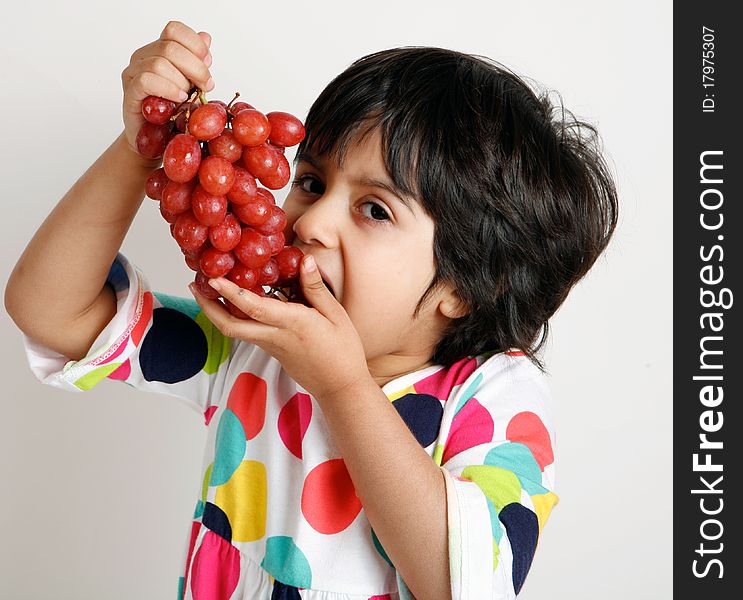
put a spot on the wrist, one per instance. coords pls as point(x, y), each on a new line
point(353, 388)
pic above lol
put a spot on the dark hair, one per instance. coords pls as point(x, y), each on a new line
point(522, 202)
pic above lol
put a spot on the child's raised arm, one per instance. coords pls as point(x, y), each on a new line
point(57, 292)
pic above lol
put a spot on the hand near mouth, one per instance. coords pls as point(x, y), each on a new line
point(312, 336)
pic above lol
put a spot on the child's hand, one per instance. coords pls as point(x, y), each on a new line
point(317, 345)
point(168, 67)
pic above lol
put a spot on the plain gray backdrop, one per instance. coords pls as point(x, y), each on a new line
point(98, 488)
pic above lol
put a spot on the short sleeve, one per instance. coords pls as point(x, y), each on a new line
point(496, 453)
point(155, 342)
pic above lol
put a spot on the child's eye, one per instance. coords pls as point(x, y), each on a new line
point(306, 182)
point(377, 213)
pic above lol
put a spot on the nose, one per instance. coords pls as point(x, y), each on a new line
point(318, 224)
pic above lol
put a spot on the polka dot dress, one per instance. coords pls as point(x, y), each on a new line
point(276, 515)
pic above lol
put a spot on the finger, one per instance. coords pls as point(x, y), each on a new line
point(188, 63)
point(230, 325)
point(208, 41)
point(163, 67)
point(315, 291)
point(184, 35)
point(149, 84)
point(264, 310)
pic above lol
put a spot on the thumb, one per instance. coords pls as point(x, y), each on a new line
point(314, 290)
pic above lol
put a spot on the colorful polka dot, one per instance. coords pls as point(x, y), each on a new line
point(205, 483)
point(187, 306)
point(286, 562)
point(144, 318)
point(281, 591)
point(244, 499)
point(543, 505)
point(422, 414)
point(501, 486)
point(216, 569)
point(229, 448)
point(294, 419)
point(473, 425)
point(523, 531)
point(247, 400)
point(215, 520)
point(441, 383)
point(527, 428)
point(518, 458)
point(174, 348)
point(218, 344)
point(195, 529)
point(199, 509)
point(329, 501)
point(123, 372)
point(208, 414)
point(94, 377)
point(380, 549)
point(468, 393)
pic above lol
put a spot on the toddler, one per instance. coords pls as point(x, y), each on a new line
point(391, 436)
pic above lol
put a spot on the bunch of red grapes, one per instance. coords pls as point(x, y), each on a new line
point(226, 225)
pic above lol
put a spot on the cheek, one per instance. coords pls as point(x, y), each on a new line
point(292, 212)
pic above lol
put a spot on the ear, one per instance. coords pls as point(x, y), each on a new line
point(451, 305)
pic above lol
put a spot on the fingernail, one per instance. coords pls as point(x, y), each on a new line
point(208, 60)
point(210, 85)
point(215, 284)
point(182, 96)
point(192, 287)
point(309, 264)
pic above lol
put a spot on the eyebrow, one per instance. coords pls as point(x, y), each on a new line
point(365, 181)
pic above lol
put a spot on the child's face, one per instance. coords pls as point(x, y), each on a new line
point(376, 254)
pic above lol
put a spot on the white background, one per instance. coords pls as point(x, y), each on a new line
point(98, 489)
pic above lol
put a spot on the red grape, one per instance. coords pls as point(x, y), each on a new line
point(267, 195)
point(275, 222)
point(243, 276)
point(225, 236)
point(254, 213)
point(202, 284)
point(239, 107)
point(176, 196)
point(215, 263)
point(251, 127)
point(269, 273)
point(207, 121)
point(209, 209)
point(253, 250)
point(182, 157)
point(244, 189)
point(152, 140)
point(226, 146)
point(169, 216)
point(286, 129)
point(289, 260)
point(155, 184)
point(216, 175)
point(180, 121)
point(234, 311)
point(276, 242)
point(280, 177)
point(193, 262)
point(189, 232)
point(260, 161)
point(157, 110)
point(279, 149)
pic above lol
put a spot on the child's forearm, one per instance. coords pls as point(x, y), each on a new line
point(64, 267)
point(401, 488)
